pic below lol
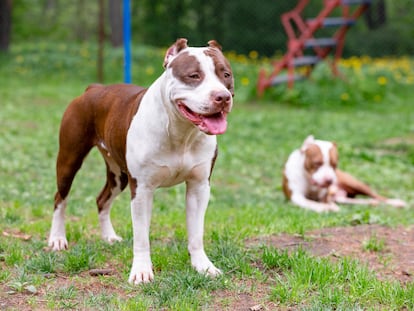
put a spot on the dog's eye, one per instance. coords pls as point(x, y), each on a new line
point(195, 76)
point(227, 75)
point(317, 164)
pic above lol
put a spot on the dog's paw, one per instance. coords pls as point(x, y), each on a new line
point(142, 275)
point(203, 265)
point(58, 243)
point(324, 207)
point(396, 202)
point(108, 233)
point(111, 239)
point(141, 272)
point(332, 207)
point(211, 271)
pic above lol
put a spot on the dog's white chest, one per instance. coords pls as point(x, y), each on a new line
point(176, 168)
point(160, 158)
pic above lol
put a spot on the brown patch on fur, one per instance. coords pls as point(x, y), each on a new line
point(222, 68)
point(313, 158)
point(213, 161)
point(81, 130)
point(286, 189)
point(133, 184)
point(214, 44)
point(178, 46)
point(333, 156)
point(187, 69)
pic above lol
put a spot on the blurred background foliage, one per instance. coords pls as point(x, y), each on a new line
point(239, 25)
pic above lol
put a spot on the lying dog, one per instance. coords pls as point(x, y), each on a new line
point(150, 138)
point(312, 180)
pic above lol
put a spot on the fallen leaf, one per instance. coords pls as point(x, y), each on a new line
point(17, 235)
point(97, 272)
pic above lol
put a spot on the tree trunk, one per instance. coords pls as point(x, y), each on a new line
point(5, 24)
point(376, 15)
point(115, 21)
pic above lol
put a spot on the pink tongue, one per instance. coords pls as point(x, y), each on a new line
point(214, 125)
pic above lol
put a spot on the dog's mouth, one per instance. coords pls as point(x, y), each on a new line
point(322, 184)
point(213, 124)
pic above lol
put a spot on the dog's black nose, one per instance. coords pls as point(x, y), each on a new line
point(328, 181)
point(222, 97)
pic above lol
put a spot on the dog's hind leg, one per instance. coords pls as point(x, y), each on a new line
point(75, 142)
point(68, 164)
point(116, 181)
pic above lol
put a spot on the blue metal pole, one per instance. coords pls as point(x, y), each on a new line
point(127, 41)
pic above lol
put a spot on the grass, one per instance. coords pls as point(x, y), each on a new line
point(369, 115)
point(373, 244)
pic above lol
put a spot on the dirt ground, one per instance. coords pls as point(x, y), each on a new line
point(395, 261)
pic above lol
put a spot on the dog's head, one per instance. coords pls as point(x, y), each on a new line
point(201, 85)
point(321, 160)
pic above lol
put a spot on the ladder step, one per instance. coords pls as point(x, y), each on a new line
point(335, 21)
point(321, 42)
point(355, 2)
point(306, 61)
point(286, 78)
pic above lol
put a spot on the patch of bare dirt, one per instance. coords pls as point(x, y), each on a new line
point(394, 261)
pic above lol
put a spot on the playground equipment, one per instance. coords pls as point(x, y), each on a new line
point(301, 33)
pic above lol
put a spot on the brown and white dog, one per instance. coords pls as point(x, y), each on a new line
point(150, 138)
point(312, 180)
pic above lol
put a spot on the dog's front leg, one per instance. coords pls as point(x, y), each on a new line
point(319, 207)
point(196, 204)
point(141, 208)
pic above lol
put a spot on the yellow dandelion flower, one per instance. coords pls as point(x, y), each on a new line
point(232, 56)
point(245, 81)
point(84, 52)
point(410, 79)
point(253, 55)
point(19, 59)
point(242, 59)
point(382, 80)
point(345, 96)
point(149, 70)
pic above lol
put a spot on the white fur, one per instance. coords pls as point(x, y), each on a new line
point(163, 156)
point(57, 237)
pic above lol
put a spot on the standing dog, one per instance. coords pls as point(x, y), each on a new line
point(150, 138)
point(312, 180)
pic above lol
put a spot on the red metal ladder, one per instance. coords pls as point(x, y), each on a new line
point(301, 33)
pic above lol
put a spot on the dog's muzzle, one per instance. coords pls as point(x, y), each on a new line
point(213, 122)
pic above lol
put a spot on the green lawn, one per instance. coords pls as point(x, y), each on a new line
point(370, 114)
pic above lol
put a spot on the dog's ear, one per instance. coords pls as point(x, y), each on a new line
point(173, 50)
point(308, 141)
point(334, 155)
point(214, 44)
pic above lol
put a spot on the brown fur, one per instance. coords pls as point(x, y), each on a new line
point(81, 130)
